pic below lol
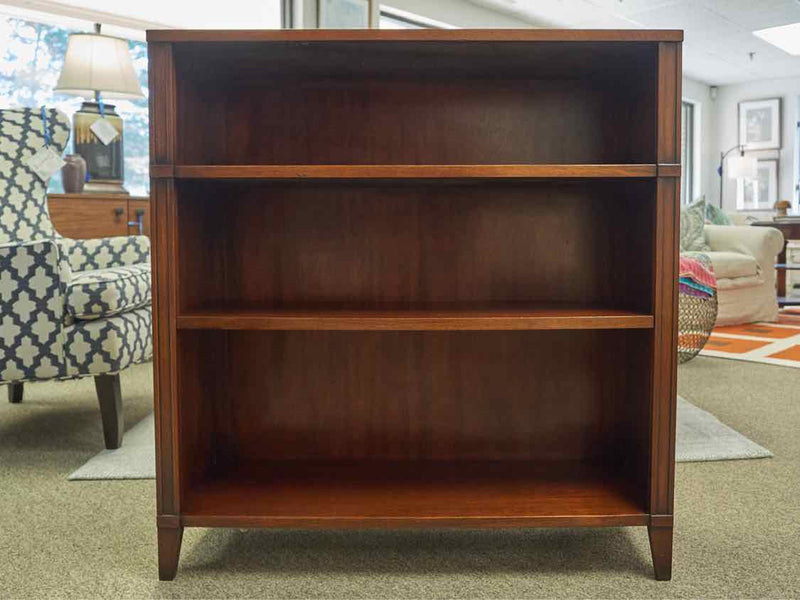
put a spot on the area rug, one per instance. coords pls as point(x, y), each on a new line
point(135, 459)
point(700, 437)
point(769, 343)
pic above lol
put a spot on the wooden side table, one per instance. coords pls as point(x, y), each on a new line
point(87, 216)
point(790, 231)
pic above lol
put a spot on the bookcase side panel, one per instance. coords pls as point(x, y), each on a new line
point(664, 400)
point(162, 145)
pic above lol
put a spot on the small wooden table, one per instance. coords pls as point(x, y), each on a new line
point(88, 216)
point(790, 231)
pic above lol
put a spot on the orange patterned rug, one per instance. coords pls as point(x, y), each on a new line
point(771, 343)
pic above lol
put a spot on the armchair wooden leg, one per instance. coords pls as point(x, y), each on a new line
point(109, 395)
point(15, 391)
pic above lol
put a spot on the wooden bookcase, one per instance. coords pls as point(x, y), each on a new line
point(415, 279)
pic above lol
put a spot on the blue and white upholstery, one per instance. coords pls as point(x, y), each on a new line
point(68, 308)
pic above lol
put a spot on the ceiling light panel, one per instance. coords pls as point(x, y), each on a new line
point(785, 37)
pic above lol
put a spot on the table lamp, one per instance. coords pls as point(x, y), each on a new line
point(99, 66)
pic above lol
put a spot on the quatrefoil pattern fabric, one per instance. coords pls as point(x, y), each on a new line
point(23, 212)
point(90, 255)
point(109, 345)
point(31, 309)
point(68, 308)
point(107, 292)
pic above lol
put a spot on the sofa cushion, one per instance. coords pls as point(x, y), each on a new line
point(716, 216)
point(730, 265)
point(693, 219)
point(107, 292)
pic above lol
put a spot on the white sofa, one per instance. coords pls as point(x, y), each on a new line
point(743, 258)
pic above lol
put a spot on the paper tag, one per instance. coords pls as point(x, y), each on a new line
point(45, 162)
point(104, 130)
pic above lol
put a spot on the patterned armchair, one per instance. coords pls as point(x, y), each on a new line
point(68, 308)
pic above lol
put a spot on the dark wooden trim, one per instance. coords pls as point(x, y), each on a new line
point(163, 116)
point(169, 551)
point(168, 521)
point(401, 171)
point(163, 199)
point(632, 520)
point(661, 549)
point(427, 35)
point(15, 392)
point(670, 170)
point(664, 337)
point(662, 520)
point(109, 396)
point(162, 171)
point(420, 320)
point(162, 104)
point(669, 103)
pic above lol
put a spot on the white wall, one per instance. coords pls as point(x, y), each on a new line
point(727, 134)
point(699, 93)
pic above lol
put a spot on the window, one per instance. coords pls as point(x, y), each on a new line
point(30, 64)
point(394, 18)
point(797, 164)
point(687, 153)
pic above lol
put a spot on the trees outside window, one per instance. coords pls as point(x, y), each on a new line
point(30, 63)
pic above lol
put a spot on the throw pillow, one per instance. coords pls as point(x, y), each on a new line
point(716, 216)
point(693, 218)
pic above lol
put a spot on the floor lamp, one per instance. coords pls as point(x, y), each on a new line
point(739, 167)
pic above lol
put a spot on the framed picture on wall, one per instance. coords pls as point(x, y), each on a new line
point(760, 193)
point(760, 124)
point(345, 14)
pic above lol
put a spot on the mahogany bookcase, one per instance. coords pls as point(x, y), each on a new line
point(415, 279)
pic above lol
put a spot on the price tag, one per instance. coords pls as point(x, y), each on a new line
point(45, 162)
point(104, 130)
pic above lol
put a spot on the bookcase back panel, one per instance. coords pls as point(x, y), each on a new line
point(387, 245)
point(555, 395)
point(279, 104)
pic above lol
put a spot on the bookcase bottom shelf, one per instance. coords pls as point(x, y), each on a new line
point(362, 494)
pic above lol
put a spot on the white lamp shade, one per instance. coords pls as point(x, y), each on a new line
point(742, 167)
point(98, 63)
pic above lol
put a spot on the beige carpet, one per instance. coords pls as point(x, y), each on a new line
point(736, 522)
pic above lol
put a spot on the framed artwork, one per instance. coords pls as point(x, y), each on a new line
point(760, 124)
point(345, 14)
point(760, 193)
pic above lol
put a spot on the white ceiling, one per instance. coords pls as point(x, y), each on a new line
point(718, 33)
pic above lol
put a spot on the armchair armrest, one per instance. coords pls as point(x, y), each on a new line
point(33, 280)
point(762, 243)
point(103, 253)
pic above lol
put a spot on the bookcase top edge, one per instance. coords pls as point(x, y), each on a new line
point(423, 35)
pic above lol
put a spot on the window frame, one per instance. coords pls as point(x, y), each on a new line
point(695, 147)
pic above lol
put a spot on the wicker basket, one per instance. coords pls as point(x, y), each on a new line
point(696, 318)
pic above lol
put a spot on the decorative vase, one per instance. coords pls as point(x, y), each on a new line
point(73, 174)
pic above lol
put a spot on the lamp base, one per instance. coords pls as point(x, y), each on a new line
point(104, 162)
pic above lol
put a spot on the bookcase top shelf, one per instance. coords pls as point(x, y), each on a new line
point(520, 171)
point(427, 35)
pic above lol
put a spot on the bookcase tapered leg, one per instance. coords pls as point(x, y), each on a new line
point(661, 549)
point(169, 551)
